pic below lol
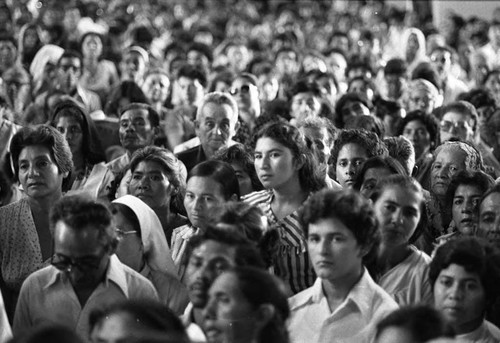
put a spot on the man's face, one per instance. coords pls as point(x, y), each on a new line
point(442, 61)
point(395, 84)
point(216, 126)
point(458, 126)
point(8, 53)
point(305, 105)
point(80, 254)
point(286, 63)
point(69, 71)
point(136, 130)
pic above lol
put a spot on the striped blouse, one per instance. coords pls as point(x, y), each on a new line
point(291, 262)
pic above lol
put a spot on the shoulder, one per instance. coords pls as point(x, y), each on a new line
point(37, 280)
point(493, 330)
point(257, 197)
point(306, 297)
point(13, 208)
point(138, 285)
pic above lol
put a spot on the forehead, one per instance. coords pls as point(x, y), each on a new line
point(67, 120)
point(132, 55)
point(7, 43)
point(455, 116)
point(204, 185)
point(134, 113)
point(216, 111)
point(92, 37)
point(491, 202)
point(150, 166)
point(320, 133)
point(441, 53)
point(211, 249)
point(267, 143)
point(75, 242)
point(352, 150)
point(415, 124)
point(377, 173)
point(75, 61)
point(304, 96)
point(35, 150)
point(327, 226)
point(157, 77)
point(468, 189)
point(400, 195)
point(451, 155)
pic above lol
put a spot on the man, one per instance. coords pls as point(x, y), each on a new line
point(216, 124)
point(306, 101)
point(84, 275)
point(207, 256)
point(245, 91)
point(441, 59)
point(395, 77)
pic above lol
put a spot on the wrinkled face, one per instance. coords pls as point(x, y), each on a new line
point(274, 163)
point(156, 87)
point(80, 255)
point(305, 105)
point(489, 218)
point(92, 46)
point(421, 100)
point(68, 73)
point(456, 125)
point(228, 315)
point(371, 179)
point(203, 196)
point(351, 157)
point(321, 140)
point(191, 91)
point(398, 212)
point(216, 126)
point(334, 251)
point(135, 129)
point(448, 162)
point(460, 296)
point(417, 134)
point(150, 183)
point(465, 207)
point(207, 261)
point(38, 172)
point(71, 129)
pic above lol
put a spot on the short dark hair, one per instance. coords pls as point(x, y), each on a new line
point(70, 54)
point(478, 97)
point(386, 162)
point(429, 121)
point(220, 172)
point(153, 116)
point(367, 140)
point(395, 66)
point(302, 86)
point(462, 107)
point(202, 48)
point(344, 99)
point(468, 178)
point(193, 73)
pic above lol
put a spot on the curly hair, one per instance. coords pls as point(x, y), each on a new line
point(429, 121)
point(386, 162)
point(369, 141)
point(478, 179)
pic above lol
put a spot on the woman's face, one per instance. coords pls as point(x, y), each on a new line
point(92, 46)
point(30, 38)
point(448, 162)
point(244, 179)
point(156, 87)
point(465, 207)
point(351, 157)
point(460, 296)
point(228, 316)
point(412, 46)
point(398, 212)
point(489, 218)
point(493, 84)
point(418, 135)
point(203, 195)
point(274, 163)
point(371, 179)
point(130, 250)
point(151, 183)
point(38, 172)
point(71, 129)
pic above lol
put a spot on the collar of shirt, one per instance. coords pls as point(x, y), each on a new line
point(114, 273)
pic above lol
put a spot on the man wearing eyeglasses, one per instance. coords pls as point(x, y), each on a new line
point(84, 274)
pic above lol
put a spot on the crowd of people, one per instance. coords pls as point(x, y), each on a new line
point(245, 171)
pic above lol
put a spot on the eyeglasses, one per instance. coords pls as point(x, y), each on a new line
point(85, 264)
point(447, 125)
point(243, 89)
point(122, 233)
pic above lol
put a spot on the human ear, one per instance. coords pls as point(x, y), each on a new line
point(265, 313)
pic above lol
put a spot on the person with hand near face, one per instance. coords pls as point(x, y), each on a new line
point(42, 162)
point(464, 275)
point(344, 303)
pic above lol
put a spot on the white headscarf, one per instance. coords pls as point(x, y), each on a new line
point(47, 53)
point(156, 250)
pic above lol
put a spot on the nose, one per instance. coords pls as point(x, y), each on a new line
point(468, 207)
point(144, 183)
point(209, 310)
point(351, 169)
point(33, 170)
point(264, 163)
point(397, 216)
point(456, 292)
point(443, 173)
point(198, 203)
point(323, 245)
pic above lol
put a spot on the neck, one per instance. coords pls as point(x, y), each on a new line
point(337, 290)
point(163, 213)
point(198, 315)
point(44, 203)
point(292, 191)
point(78, 161)
point(390, 256)
point(469, 326)
point(90, 61)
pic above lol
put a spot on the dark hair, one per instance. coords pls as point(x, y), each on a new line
point(350, 208)
point(426, 71)
point(423, 323)
point(80, 211)
point(220, 172)
point(252, 282)
point(92, 150)
point(366, 140)
point(292, 138)
point(201, 48)
point(475, 255)
point(395, 66)
point(461, 107)
point(5, 37)
point(91, 33)
point(428, 120)
point(153, 116)
point(193, 73)
point(402, 150)
point(250, 78)
point(344, 99)
point(225, 76)
point(128, 90)
point(286, 49)
point(157, 318)
point(478, 179)
point(302, 86)
point(386, 162)
point(70, 54)
point(54, 333)
point(367, 123)
point(46, 136)
point(478, 97)
point(171, 165)
point(237, 153)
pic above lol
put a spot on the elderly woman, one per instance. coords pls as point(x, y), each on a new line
point(42, 161)
point(465, 274)
point(422, 95)
point(143, 247)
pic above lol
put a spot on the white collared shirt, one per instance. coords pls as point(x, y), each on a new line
point(353, 321)
point(47, 296)
point(194, 331)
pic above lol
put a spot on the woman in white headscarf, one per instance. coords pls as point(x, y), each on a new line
point(43, 67)
point(414, 48)
point(143, 247)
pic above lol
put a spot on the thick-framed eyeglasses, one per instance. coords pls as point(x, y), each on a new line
point(447, 125)
point(243, 89)
point(84, 264)
point(121, 233)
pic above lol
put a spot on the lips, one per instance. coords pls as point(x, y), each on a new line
point(265, 176)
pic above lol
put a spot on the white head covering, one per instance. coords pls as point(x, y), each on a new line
point(47, 53)
point(156, 250)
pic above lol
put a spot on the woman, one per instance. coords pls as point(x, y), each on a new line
point(209, 185)
point(249, 315)
point(400, 268)
point(489, 216)
point(43, 68)
point(414, 47)
point(350, 150)
point(143, 247)
point(462, 198)
point(159, 179)
point(344, 304)
point(464, 275)
point(492, 84)
point(29, 43)
point(374, 170)
point(79, 130)
point(98, 75)
point(423, 132)
point(289, 173)
point(42, 161)
point(156, 87)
